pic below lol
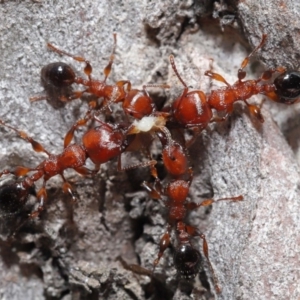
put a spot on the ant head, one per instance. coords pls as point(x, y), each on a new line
point(58, 74)
point(288, 87)
point(103, 143)
point(187, 261)
point(138, 104)
point(13, 196)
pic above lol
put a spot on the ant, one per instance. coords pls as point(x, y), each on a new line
point(187, 259)
point(193, 109)
point(99, 144)
point(59, 77)
point(222, 99)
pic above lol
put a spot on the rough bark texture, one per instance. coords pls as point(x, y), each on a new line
point(71, 251)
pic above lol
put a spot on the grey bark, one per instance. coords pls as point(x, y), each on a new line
point(71, 251)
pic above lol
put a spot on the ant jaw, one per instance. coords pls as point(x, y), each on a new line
point(187, 261)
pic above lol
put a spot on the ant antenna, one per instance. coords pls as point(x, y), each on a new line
point(172, 61)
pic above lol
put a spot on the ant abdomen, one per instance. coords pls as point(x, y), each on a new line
point(13, 196)
point(57, 75)
point(187, 261)
point(288, 87)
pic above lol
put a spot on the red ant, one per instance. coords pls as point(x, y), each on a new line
point(59, 77)
point(194, 109)
point(99, 144)
point(223, 98)
point(187, 259)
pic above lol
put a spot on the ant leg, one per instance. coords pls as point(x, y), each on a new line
point(196, 131)
point(18, 171)
point(38, 98)
point(137, 269)
point(163, 245)
point(85, 171)
point(82, 122)
point(154, 191)
point(163, 86)
point(192, 231)
point(75, 95)
point(216, 76)
point(42, 199)
point(241, 73)
point(206, 202)
point(219, 119)
point(37, 147)
point(255, 111)
point(172, 61)
point(67, 188)
point(107, 69)
point(150, 163)
point(186, 89)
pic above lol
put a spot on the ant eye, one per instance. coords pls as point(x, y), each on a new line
point(187, 261)
point(58, 74)
point(13, 196)
point(288, 86)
